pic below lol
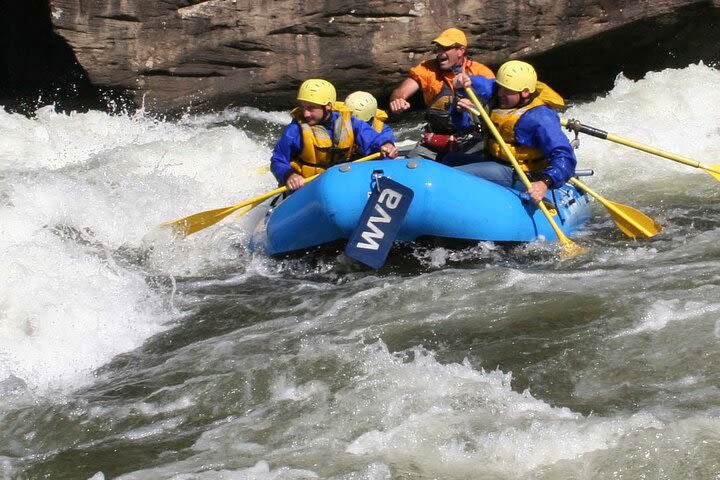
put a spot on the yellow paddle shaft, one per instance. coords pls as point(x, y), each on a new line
point(576, 126)
point(198, 221)
point(255, 201)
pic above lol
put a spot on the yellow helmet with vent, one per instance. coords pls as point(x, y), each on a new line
point(362, 104)
point(517, 76)
point(318, 91)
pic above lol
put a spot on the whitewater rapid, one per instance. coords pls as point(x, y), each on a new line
point(89, 275)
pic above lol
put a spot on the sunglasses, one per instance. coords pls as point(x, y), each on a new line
point(441, 48)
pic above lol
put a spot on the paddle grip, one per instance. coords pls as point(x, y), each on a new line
point(575, 125)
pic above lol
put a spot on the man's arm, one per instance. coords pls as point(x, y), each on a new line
point(287, 146)
point(399, 97)
point(483, 88)
point(540, 128)
point(369, 141)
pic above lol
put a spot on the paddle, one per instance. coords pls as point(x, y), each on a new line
point(570, 248)
point(193, 223)
point(575, 125)
point(630, 221)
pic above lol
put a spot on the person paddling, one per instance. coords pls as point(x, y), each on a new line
point(524, 113)
point(435, 79)
point(321, 135)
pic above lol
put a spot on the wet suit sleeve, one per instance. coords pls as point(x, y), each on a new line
point(287, 147)
point(367, 139)
point(540, 128)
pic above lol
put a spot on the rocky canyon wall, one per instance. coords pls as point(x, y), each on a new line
point(172, 54)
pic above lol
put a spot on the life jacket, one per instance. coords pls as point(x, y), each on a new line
point(379, 120)
point(439, 93)
point(319, 150)
point(440, 135)
point(437, 113)
point(530, 159)
point(432, 80)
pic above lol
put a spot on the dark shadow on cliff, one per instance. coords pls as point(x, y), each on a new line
point(581, 70)
point(37, 67)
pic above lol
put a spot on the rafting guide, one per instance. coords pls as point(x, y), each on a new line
point(434, 78)
point(173, 308)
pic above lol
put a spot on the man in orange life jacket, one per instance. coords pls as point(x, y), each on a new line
point(321, 135)
point(524, 113)
point(435, 79)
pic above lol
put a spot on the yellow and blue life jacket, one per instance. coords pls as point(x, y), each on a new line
point(530, 159)
point(319, 150)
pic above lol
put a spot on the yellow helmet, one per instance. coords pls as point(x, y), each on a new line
point(362, 104)
point(517, 76)
point(318, 91)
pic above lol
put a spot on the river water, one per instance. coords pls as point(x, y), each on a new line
point(127, 354)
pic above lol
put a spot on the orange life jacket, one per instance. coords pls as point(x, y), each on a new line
point(431, 79)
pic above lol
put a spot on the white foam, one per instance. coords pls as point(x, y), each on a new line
point(65, 311)
point(260, 471)
point(408, 409)
point(79, 190)
point(662, 110)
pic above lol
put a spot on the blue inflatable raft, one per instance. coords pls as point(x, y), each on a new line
point(446, 203)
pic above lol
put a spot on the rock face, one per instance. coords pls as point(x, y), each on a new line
point(172, 54)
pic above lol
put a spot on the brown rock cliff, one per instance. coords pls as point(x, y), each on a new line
point(211, 53)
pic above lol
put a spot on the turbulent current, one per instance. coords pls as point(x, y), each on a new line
point(125, 353)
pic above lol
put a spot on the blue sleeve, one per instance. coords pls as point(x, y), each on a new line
point(540, 128)
point(484, 88)
point(287, 147)
point(367, 139)
point(387, 131)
